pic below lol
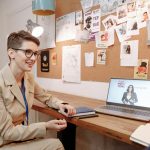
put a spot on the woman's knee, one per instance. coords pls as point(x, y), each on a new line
point(54, 144)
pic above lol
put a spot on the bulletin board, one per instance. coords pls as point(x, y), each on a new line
point(101, 73)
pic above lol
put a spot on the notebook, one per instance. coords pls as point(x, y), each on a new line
point(141, 135)
point(129, 98)
point(80, 111)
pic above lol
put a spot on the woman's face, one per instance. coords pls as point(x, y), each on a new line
point(130, 88)
point(21, 61)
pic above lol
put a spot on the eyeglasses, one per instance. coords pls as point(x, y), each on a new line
point(28, 52)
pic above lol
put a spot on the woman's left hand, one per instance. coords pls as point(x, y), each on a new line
point(68, 109)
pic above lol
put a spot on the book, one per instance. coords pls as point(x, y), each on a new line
point(141, 135)
point(80, 111)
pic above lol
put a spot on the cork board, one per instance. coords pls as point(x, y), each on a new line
point(100, 73)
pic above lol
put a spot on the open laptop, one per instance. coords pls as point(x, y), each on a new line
point(134, 104)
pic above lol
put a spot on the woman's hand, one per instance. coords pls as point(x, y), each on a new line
point(56, 125)
point(68, 109)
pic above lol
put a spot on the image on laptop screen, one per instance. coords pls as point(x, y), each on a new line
point(132, 92)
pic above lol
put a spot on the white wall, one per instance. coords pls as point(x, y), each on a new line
point(8, 10)
point(96, 90)
point(14, 19)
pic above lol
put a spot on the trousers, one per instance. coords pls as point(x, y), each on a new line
point(37, 144)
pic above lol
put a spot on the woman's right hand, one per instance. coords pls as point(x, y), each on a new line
point(56, 125)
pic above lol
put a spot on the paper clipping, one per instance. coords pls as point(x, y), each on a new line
point(141, 71)
point(89, 59)
point(54, 58)
point(101, 56)
point(92, 22)
point(121, 31)
point(108, 22)
point(101, 39)
point(78, 17)
point(129, 53)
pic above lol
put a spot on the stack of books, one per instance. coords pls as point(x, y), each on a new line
point(142, 135)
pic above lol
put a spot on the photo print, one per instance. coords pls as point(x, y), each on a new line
point(101, 39)
point(108, 23)
point(142, 17)
point(101, 56)
point(45, 61)
point(122, 14)
point(78, 17)
point(121, 31)
point(141, 71)
point(132, 26)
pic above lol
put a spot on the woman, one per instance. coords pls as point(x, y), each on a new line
point(130, 96)
point(17, 92)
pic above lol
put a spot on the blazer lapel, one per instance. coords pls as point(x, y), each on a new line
point(29, 86)
point(17, 92)
point(10, 81)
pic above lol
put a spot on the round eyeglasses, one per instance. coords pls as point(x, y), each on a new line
point(28, 52)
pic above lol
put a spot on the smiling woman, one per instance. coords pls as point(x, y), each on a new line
point(17, 92)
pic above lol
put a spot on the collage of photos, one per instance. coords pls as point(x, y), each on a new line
point(123, 17)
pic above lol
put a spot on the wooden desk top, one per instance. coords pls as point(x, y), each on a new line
point(114, 127)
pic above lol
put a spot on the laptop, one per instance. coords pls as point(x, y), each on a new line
point(128, 98)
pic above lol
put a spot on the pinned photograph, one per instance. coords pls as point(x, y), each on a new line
point(108, 23)
point(129, 53)
point(131, 6)
point(96, 20)
point(45, 61)
point(101, 39)
point(78, 17)
point(54, 58)
point(121, 31)
point(122, 14)
point(127, 49)
point(86, 5)
point(89, 59)
point(131, 9)
point(108, 6)
point(140, 3)
point(132, 26)
point(101, 56)
point(141, 71)
point(92, 23)
point(88, 21)
point(142, 17)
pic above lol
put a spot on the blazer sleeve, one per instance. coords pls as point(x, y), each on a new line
point(20, 132)
point(45, 97)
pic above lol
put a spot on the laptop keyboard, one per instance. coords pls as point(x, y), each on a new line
point(131, 111)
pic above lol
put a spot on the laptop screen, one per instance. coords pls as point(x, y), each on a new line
point(131, 92)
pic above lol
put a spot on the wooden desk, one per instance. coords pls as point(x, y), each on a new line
point(111, 126)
